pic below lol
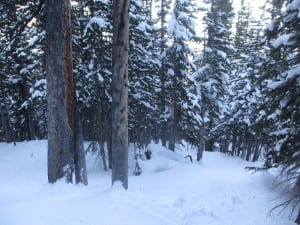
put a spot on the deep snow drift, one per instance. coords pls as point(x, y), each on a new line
point(170, 191)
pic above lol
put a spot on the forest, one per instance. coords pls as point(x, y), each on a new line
point(211, 74)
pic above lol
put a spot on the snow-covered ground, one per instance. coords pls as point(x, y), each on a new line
point(170, 191)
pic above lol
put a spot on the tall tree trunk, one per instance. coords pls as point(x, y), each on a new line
point(239, 144)
point(79, 154)
point(64, 133)
point(164, 123)
point(209, 145)
point(162, 74)
point(173, 132)
point(8, 129)
point(226, 143)
point(120, 93)
point(248, 151)
point(201, 137)
point(201, 144)
point(109, 141)
point(30, 133)
point(102, 153)
point(173, 118)
point(256, 151)
point(234, 140)
point(5, 121)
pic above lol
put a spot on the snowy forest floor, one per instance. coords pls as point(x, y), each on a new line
point(170, 191)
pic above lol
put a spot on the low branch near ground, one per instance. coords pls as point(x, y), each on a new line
point(190, 157)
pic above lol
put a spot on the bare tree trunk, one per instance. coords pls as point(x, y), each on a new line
point(10, 126)
point(102, 153)
point(200, 150)
point(248, 151)
point(60, 155)
point(109, 142)
point(234, 140)
point(226, 143)
point(120, 93)
point(173, 119)
point(256, 151)
point(30, 132)
point(239, 144)
point(64, 128)
point(164, 125)
point(173, 135)
point(4, 113)
point(79, 154)
point(201, 144)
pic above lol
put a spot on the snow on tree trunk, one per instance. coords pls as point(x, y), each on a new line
point(120, 93)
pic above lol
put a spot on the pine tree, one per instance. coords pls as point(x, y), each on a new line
point(183, 101)
point(142, 76)
point(280, 120)
point(163, 37)
point(6, 79)
point(92, 42)
point(214, 71)
point(22, 63)
point(245, 138)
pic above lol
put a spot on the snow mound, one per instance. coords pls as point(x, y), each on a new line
point(161, 160)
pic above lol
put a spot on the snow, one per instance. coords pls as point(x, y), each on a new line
point(291, 74)
point(170, 191)
point(222, 54)
point(285, 40)
point(179, 31)
point(294, 72)
point(40, 82)
point(142, 26)
point(38, 94)
point(294, 5)
point(281, 132)
point(99, 21)
point(33, 40)
point(270, 26)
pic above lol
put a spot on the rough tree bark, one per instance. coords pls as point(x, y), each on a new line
point(65, 149)
point(120, 93)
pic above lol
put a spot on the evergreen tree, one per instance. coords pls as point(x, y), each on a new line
point(214, 71)
point(242, 132)
point(92, 43)
point(142, 76)
point(22, 55)
point(280, 120)
point(163, 37)
point(183, 102)
point(6, 79)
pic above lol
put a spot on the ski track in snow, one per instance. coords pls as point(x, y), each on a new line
point(170, 191)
